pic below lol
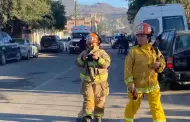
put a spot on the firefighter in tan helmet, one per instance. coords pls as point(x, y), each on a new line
point(93, 64)
point(142, 66)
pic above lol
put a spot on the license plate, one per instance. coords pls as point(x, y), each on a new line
point(181, 63)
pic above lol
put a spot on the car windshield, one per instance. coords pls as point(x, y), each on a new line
point(20, 41)
point(48, 38)
point(182, 43)
point(173, 22)
point(79, 35)
point(64, 40)
point(117, 37)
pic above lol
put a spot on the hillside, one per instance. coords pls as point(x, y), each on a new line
point(103, 8)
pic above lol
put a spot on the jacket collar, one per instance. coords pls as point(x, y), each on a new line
point(147, 46)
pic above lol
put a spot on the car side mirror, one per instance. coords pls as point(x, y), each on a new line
point(12, 41)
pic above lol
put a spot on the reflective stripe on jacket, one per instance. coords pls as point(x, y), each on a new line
point(98, 78)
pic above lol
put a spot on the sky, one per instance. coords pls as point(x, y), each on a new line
point(116, 3)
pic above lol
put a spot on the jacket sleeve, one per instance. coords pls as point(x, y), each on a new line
point(104, 61)
point(129, 62)
point(79, 61)
point(162, 62)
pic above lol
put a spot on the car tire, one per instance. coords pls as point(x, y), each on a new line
point(58, 50)
point(70, 52)
point(18, 56)
point(3, 59)
point(36, 55)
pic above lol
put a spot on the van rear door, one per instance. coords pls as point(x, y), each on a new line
point(173, 17)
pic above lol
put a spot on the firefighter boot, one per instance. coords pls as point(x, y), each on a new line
point(98, 119)
point(86, 119)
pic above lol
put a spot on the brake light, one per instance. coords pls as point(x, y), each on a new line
point(86, 28)
point(75, 28)
point(170, 63)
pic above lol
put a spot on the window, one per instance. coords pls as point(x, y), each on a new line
point(20, 41)
point(79, 35)
point(117, 37)
point(154, 24)
point(86, 22)
point(182, 43)
point(170, 37)
point(164, 43)
point(173, 22)
point(1, 42)
point(4, 38)
point(27, 41)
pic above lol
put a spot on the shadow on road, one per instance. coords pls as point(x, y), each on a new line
point(168, 120)
point(176, 98)
point(48, 118)
point(42, 118)
point(176, 112)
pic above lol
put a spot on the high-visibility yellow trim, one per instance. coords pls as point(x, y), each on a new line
point(101, 77)
point(159, 121)
point(129, 119)
point(128, 80)
point(87, 114)
point(101, 61)
point(80, 61)
point(147, 90)
point(98, 115)
point(91, 64)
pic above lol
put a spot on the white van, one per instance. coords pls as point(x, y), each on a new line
point(162, 17)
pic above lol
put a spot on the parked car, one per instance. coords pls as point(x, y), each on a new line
point(9, 50)
point(27, 49)
point(175, 46)
point(51, 43)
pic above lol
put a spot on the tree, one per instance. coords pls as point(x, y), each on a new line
point(30, 11)
point(19, 13)
point(34, 13)
point(58, 15)
point(5, 8)
point(135, 5)
point(186, 4)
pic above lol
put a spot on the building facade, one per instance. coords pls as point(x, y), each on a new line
point(91, 20)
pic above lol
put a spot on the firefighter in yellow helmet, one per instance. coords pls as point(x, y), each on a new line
point(142, 66)
point(94, 63)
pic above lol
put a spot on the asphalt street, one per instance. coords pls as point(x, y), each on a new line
point(47, 89)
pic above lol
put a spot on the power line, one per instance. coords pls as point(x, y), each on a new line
point(97, 14)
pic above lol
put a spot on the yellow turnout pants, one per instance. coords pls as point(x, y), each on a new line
point(94, 98)
point(154, 103)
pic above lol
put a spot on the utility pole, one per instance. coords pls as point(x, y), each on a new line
point(75, 12)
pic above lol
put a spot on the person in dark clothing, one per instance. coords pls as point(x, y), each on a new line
point(82, 44)
point(125, 44)
point(120, 44)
